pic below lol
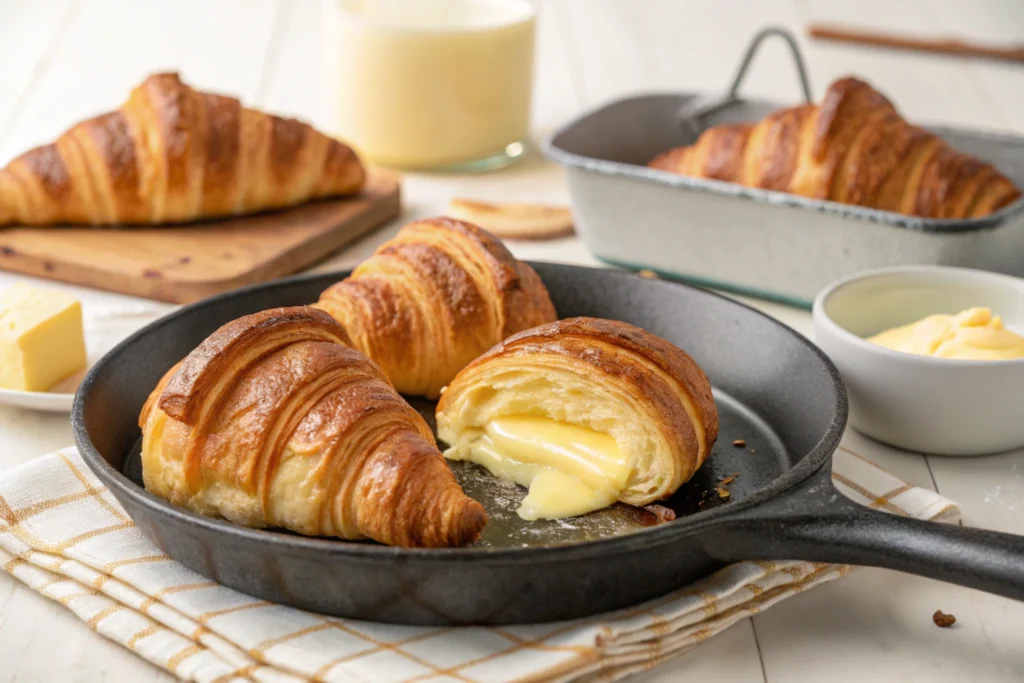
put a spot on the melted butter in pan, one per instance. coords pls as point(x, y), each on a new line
point(569, 470)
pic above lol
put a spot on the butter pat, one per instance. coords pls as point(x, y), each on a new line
point(973, 334)
point(570, 470)
point(41, 338)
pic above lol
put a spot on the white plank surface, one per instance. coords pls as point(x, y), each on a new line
point(30, 35)
point(61, 60)
point(625, 46)
point(109, 46)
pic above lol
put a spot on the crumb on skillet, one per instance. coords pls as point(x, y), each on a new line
point(649, 274)
point(739, 443)
point(712, 498)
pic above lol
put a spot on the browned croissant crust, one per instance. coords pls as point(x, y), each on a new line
point(173, 154)
point(273, 422)
point(603, 375)
point(853, 148)
point(434, 298)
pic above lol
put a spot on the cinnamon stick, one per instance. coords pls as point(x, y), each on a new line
point(943, 46)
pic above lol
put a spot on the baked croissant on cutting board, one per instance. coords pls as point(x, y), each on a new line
point(172, 154)
point(434, 298)
point(584, 412)
point(853, 148)
point(273, 421)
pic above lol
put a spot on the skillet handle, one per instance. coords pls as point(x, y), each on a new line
point(815, 522)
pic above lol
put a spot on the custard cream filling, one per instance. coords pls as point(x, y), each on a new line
point(570, 470)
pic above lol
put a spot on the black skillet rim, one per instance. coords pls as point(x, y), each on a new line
point(818, 457)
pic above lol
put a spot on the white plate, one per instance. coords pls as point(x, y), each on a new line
point(106, 323)
point(47, 401)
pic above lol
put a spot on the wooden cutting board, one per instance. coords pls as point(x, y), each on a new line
point(184, 263)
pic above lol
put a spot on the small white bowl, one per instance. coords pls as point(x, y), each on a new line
point(920, 403)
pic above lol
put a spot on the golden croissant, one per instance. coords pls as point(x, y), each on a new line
point(434, 298)
point(583, 411)
point(173, 154)
point(853, 148)
point(274, 422)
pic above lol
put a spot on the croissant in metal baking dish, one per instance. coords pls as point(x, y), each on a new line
point(274, 422)
point(434, 298)
point(853, 148)
point(583, 411)
point(172, 154)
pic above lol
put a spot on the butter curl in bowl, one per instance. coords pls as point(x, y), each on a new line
point(971, 334)
point(932, 357)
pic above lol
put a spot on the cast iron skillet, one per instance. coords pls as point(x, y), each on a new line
point(774, 390)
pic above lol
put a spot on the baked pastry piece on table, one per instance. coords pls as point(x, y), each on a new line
point(172, 154)
point(583, 411)
point(274, 422)
point(434, 298)
point(853, 148)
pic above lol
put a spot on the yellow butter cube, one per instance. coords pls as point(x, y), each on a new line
point(41, 338)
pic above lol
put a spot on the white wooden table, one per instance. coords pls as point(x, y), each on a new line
point(61, 60)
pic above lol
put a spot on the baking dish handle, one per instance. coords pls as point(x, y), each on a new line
point(813, 521)
point(698, 107)
point(755, 44)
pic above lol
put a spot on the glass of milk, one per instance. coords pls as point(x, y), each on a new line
point(430, 84)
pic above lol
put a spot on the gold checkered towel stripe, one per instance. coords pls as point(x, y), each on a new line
point(64, 535)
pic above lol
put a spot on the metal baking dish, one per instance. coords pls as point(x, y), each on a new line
point(763, 243)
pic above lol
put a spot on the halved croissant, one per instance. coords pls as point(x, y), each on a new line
point(592, 375)
point(434, 298)
point(853, 148)
point(274, 422)
point(172, 154)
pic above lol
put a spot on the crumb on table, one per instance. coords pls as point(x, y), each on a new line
point(943, 620)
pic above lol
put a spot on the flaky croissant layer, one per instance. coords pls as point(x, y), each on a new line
point(274, 422)
point(853, 148)
point(606, 376)
point(434, 298)
point(171, 154)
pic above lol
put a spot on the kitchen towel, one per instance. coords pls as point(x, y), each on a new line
point(63, 534)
